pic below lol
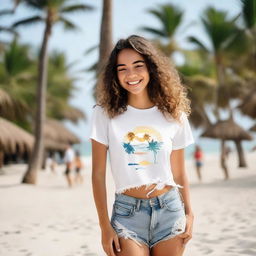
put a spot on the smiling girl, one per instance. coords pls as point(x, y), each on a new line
point(141, 119)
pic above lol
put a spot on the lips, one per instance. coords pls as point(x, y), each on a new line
point(133, 83)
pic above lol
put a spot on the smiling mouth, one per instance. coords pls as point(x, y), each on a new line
point(134, 82)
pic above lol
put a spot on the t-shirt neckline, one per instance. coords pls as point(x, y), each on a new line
point(141, 109)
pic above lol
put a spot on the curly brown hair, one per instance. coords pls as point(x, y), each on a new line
point(164, 89)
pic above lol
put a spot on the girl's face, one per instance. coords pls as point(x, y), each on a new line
point(132, 71)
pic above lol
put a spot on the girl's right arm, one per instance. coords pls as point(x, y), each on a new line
point(99, 160)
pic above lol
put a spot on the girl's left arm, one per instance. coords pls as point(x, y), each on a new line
point(180, 177)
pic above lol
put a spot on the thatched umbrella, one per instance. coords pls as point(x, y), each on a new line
point(13, 139)
point(228, 130)
point(248, 107)
point(57, 136)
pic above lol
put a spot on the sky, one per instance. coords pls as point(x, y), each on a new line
point(128, 17)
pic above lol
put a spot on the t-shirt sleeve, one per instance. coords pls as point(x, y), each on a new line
point(99, 125)
point(183, 136)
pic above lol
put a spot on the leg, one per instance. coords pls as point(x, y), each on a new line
point(198, 170)
point(67, 173)
point(173, 247)
point(130, 248)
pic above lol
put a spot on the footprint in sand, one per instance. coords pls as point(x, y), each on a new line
point(23, 250)
point(250, 252)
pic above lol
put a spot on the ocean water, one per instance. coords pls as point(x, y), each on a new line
point(209, 146)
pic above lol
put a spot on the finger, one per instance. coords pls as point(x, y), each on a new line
point(117, 244)
point(184, 235)
point(186, 240)
point(111, 251)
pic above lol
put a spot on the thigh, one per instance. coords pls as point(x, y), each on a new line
point(129, 248)
point(170, 247)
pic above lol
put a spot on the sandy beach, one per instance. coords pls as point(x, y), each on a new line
point(50, 219)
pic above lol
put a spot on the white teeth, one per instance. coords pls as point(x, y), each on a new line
point(133, 83)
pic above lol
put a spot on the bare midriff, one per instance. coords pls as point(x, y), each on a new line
point(142, 191)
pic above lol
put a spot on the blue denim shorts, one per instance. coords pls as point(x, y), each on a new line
point(149, 221)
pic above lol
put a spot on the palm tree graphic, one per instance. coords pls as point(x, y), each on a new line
point(127, 146)
point(153, 146)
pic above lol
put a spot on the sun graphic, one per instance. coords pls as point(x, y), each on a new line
point(141, 134)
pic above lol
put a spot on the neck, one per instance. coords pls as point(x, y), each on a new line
point(140, 101)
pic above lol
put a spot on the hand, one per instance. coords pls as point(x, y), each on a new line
point(187, 235)
point(108, 239)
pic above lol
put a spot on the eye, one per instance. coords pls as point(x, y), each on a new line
point(122, 69)
point(139, 66)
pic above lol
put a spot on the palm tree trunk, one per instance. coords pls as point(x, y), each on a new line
point(1, 159)
point(37, 153)
point(223, 160)
point(219, 75)
point(240, 152)
point(106, 42)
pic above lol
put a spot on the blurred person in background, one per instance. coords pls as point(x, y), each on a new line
point(69, 157)
point(78, 163)
point(198, 157)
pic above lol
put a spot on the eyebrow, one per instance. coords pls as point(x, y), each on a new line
point(135, 62)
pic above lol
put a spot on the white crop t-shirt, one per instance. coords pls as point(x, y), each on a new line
point(140, 142)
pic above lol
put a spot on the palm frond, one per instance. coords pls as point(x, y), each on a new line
point(68, 25)
point(170, 18)
point(28, 21)
point(196, 41)
point(6, 12)
point(9, 30)
point(91, 49)
point(154, 31)
point(76, 7)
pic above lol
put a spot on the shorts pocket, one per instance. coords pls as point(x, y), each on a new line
point(174, 204)
point(122, 209)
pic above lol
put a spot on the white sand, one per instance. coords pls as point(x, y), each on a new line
point(52, 220)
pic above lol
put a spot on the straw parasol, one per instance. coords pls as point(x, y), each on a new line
point(226, 130)
point(248, 107)
point(13, 137)
point(57, 136)
point(229, 130)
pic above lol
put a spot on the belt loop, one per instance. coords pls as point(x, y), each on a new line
point(138, 205)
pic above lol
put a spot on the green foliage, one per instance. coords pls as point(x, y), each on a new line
point(170, 18)
point(249, 13)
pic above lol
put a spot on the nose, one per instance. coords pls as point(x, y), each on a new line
point(130, 73)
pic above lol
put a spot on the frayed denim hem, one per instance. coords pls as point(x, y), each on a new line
point(164, 239)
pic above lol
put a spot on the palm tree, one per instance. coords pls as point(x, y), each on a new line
point(170, 18)
point(223, 35)
point(52, 12)
point(221, 32)
point(60, 89)
point(197, 74)
point(16, 82)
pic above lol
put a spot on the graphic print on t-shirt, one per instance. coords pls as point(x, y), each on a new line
point(142, 145)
